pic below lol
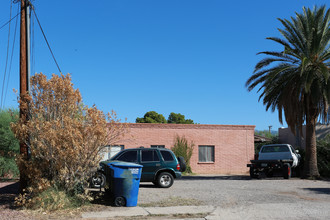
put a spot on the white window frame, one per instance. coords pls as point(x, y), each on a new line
point(162, 146)
point(208, 151)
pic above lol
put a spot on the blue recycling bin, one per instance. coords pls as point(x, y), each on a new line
point(124, 180)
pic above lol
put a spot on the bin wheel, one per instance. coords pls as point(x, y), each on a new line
point(120, 201)
point(286, 171)
point(165, 180)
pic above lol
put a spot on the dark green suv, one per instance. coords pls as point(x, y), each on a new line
point(160, 166)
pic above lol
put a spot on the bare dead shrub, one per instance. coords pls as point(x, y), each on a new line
point(64, 135)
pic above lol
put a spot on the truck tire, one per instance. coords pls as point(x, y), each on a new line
point(287, 171)
point(296, 171)
point(252, 173)
point(269, 173)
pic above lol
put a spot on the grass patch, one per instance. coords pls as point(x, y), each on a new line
point(184, 216)
point(2, 179)
point(173, 201)
point(54, 199)
point(157, 217)
point(189, 174)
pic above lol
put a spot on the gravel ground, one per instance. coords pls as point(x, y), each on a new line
point(237, 191)
point(229, 193)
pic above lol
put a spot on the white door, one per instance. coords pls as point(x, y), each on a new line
point(105, 153)
point(115, 149)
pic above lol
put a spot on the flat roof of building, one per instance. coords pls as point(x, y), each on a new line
point(191, 126)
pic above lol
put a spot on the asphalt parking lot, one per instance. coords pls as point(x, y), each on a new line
point(275, 198)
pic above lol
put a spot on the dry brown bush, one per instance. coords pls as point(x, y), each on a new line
point(64, 136)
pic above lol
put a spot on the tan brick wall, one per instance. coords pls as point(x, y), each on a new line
point(233, 144)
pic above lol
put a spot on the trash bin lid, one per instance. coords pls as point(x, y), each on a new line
point(124, 164)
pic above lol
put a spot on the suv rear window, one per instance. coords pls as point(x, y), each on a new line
point(167, 156)
point(149, 155)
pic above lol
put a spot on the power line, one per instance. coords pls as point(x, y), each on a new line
point(3, 97)
point(33, 61)
point(35, 14)
point(9, 21)
point(11, 58)
point(8, 42)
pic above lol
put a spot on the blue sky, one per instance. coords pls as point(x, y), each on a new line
point(132, 56)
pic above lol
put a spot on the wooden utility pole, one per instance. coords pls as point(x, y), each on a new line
point(24, 82)
point(23, 52)
point(270, 129)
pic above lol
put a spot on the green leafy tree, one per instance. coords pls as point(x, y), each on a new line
point(184, 149)
point(177, 118)
point(9, 145)
point(265, 133)
point(296, 79)
point(151, 117)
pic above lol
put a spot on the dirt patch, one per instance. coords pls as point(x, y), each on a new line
point(298, 195)
point(163, 217)
point(173, 201)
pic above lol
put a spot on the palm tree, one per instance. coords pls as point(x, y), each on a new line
point(296, 80)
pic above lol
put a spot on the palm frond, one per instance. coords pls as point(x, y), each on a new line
point(297, 78)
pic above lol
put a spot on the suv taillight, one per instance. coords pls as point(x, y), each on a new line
point(178, 167)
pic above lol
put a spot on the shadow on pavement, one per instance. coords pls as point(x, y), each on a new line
point(8, 194)
point(101, 198)
point(215, 178)
point(319, 190)
point(147, 185)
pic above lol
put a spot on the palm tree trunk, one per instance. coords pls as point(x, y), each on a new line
point(310, 166)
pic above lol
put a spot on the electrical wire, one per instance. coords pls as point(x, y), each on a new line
point(35, 14)
point(33, 61)
point(11, 58)
point(9, 21)
point(3, 97)
point(5, 73)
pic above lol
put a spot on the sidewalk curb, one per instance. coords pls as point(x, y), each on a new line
point(146, 211)
point(179, 210)
point(118, 212)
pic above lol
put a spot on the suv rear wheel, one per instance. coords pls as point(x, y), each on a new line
point(165, 180)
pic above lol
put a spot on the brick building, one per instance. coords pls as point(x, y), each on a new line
point(219, 149)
